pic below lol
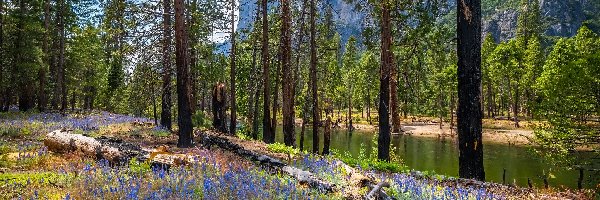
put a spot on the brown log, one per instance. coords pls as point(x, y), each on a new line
point(114, 150)
point(63, 141)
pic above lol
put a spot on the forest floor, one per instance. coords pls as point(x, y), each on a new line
point(30, 171)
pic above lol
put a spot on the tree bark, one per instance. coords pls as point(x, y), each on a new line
point(288, 76)
point(255, 85)
point(516, 106)
point(396, 127)
point(350, 126)
point(233, 122)
point(255, 111)
point(62, 91)
point(369, 105)
point(469, 80)
point(313, 78)
point(165, 115)
point(218, 107)
point(383, 141)
point(184, 119)
point(268, 136)
point(327, 135)
point(276, 92)
point(42, 99)
point(4, 97)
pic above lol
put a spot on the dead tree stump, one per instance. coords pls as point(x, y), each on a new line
point(218, 107)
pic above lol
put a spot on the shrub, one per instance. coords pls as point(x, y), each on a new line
point(282, 148)
point(199, 119)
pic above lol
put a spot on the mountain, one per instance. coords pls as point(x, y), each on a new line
point(561, 17)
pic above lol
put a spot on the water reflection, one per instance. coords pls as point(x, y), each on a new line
point(440, 155)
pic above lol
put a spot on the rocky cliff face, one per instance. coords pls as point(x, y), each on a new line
point(560, 17)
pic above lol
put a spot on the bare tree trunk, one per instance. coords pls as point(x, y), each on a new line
point(383, 141)
point(313, 78)
point(288, 76)
point(218, 107)
point(490, 100)
point(202, 104)
point(276, 92)
point(516, 106)
point(165, 115)
point(469, 80)
point(253, 103)
point(396, 127)
point(268, 136)
point(42, 98)
point(184, 119)
point(4, 97)
point(255, 113)
point(369, 106)
point(193, 56)
point(233, 123)
point(327, 135)
point(350, 126)
point(61, 55)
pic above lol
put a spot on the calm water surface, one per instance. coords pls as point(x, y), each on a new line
point(441, 156)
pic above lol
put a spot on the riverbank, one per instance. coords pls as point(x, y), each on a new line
point(496, 133)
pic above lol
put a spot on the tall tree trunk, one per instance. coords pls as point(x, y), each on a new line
point(350, 126)
point(254, 86)
point(326, 135)
point(268, 136)
point(313, 78)
point(516, 106)
point(4, 97)
point(276, 92)
point(369, 105)
point(233, 123)
point(255, 113)
point(42, 99)
point(469, 114)
point(165, 115)
point(61, 55)
point(288, 76)
point(490, 100)
point(203, 103)
point(383, 141)
point(23, 93)
point(193, 56)
point(300, 41)
point(154, 109)
point(396, 127)
point(184, 119)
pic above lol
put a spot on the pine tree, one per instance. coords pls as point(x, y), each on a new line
point(268, 135)
point(288, 79)
point(383, 141)
point(313, 78)
point(165, 117)
point(184, 119)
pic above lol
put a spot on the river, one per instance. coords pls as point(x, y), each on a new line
point(441, 156)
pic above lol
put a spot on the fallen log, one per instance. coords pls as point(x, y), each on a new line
point(114, 150)
point(377, 192)
point(63, 141)
point(302, 176)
